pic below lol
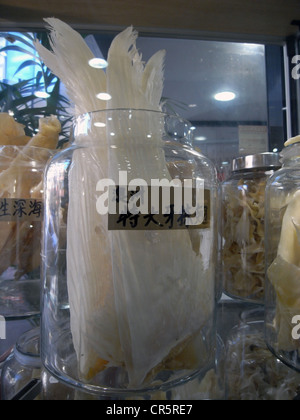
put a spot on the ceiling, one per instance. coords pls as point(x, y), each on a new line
point(227, 19)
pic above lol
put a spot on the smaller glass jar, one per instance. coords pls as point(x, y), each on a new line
point(22, 366)
point(283, 259)
point(21, 213)
point(243, 254)
point(251, 370)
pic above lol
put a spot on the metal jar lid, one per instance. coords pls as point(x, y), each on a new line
point(258, 161)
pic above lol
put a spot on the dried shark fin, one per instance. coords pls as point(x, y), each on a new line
point(69, 60)
point(130, 82)
point(153, 79)
point(145, 269)
point(11, 132)
point(90, 284)
point(92, 308)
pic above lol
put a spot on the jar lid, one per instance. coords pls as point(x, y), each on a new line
point(260, 160)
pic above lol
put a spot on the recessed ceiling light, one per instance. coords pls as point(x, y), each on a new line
point(103, 96)
point(99, 124)
point(98, 63)
point(200, 138)
point(41, 94)
point(225, 96)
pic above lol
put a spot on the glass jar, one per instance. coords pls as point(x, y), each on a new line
point(283, 259)
point(21, 212)
point(252, 372)
point(243, 254)
point(23, 366)
point(128, 266)
point(205, 386)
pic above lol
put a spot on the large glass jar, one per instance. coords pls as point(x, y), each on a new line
point(21, 213)
point(128, 300)
point(283, 259)
point(243, 235)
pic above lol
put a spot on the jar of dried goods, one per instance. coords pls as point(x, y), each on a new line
point(243, 234)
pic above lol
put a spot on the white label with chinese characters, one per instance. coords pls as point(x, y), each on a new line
point(163, 219)
point(20, 209)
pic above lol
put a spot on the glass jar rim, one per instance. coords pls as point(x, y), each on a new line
point(29, 360)
point(30, 155)
point(134, 110)
point(15, 146)
point(172, 125)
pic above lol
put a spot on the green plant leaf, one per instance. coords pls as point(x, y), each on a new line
point(18, 49)
point(27, 39)
point(19, 97)
point(27, 63)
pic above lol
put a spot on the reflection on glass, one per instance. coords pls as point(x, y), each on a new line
point(195, 70)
